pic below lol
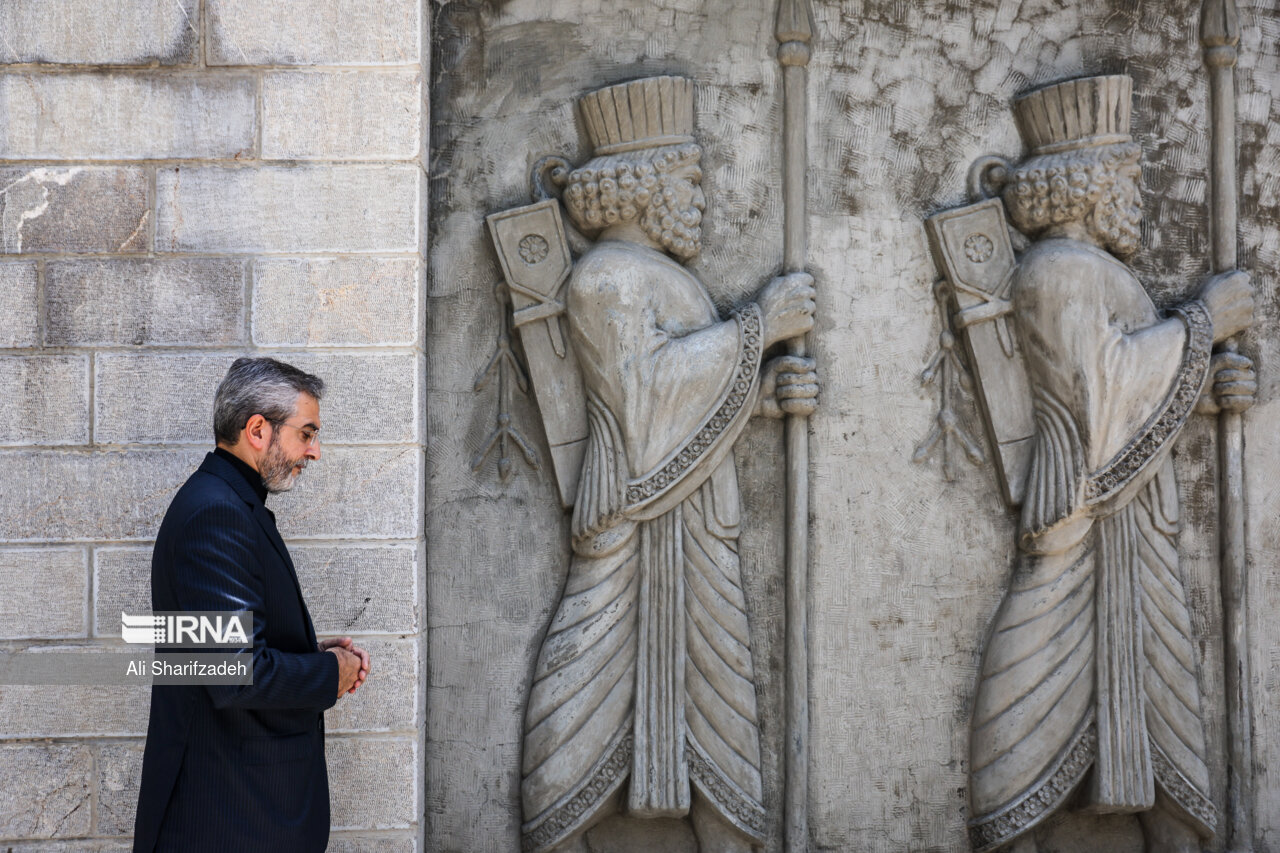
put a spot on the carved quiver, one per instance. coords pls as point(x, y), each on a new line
point(971, 246)
point(536, 263)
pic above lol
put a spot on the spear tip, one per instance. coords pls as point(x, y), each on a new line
point(795, 21)
point(1219, 23)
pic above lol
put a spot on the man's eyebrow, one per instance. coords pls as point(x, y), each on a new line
point(311, 425)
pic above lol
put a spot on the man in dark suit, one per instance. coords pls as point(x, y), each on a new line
point(241, 767)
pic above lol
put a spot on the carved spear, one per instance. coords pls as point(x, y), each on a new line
point(794, 31)
point(1220, 36)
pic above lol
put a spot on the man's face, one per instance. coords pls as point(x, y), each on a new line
point(675, 216)
point(293, 444)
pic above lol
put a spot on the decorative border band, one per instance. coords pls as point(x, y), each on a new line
point(567, 815)
point(1180, 789)
point(749, 348)
point(1163, 426)
point(742, 811)
point(1041, 799)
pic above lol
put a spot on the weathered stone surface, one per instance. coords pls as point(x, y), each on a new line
point(144, 302)
point(46, 399)
point(352, 589)
point(45, 499)
point(309, 115)
point(341, 842)
point(33, 710)
point(335, 301)
point(388, 700)
point(121, 583)
point(354, 493)
point(100, 32)
point(126, 116)
point(119, 770)
point(277, 209)
point(97, 845)
point(169, 398)
point(19, 322)
point(376, 777)
point(45, 790)
point(75, 209)
point(42, 592)
point(313, 32)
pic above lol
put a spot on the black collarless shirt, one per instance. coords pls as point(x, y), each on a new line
point(252, 477)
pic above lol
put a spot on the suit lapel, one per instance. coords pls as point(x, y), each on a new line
point(219, 467)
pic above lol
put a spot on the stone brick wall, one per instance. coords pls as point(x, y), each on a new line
point(183, 182)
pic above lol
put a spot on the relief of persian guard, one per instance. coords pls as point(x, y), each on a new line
point(643, 697)
point(1088, 696)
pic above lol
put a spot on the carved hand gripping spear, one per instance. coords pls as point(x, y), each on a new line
point(794, 31)
point(1220, 36)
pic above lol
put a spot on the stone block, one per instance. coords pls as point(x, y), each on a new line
point(353, 589)
point(74, 710)
point(100, 32)
point(68, 496)
point(119, 770)
point(357, 115)
point(45, 790)
point(313, 32)
point(387, 701)
point(46, 399)
point(126, 116)
point(43, 593)
point(169, 398)
point(341, 842)
point(160, 301)
point(280, 209)
point(20, 320)
point(335, 301)
point(378, 778)
point(121, 583)
point(74, 209)
point(355, 493)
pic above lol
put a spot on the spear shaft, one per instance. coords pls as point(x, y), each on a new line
point(794, 31)
point(1220, 37)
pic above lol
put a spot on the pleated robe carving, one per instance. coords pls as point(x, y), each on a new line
point(1090, 664)
point(645, 674)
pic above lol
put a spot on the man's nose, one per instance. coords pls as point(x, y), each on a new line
point(313, 451)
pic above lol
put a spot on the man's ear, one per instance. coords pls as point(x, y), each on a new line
point(257, 432)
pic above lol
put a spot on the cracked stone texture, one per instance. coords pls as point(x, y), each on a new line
point(46, 399)
point(313, 32)
point(77, 209)
point(100, 32)
point(44, 790)
point(276, 209)
point(126, 116)
point(168, 399)
point(349, 589)
point(387, 701)
point(74, 711)
point(119, 772)
point(20, 321)
point(902, 98)
point(161, 301)
point(352, 843)
point(42, 592)
point(334, 301)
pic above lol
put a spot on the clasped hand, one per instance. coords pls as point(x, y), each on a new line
point(353, 663)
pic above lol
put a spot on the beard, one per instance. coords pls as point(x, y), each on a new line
point(678, 231)
point(276, 468)
point(1117, 221)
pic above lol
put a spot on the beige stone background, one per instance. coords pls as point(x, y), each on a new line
point(907, 568)
point(183, 181)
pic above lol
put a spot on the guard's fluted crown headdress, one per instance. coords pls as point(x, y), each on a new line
point(640, 114)
point(1076, 114)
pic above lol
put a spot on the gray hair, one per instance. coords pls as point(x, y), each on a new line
point(259, 386)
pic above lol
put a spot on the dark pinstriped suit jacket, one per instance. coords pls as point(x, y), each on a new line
point(236, 768)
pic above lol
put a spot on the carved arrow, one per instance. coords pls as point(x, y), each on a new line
point(794, 32)
point(1220, 36)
